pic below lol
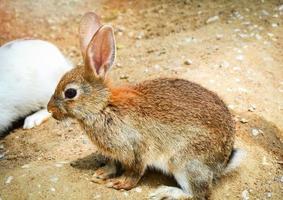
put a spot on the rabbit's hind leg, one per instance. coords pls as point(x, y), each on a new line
point(175, 193)
point(200, 178)
point(195, 180)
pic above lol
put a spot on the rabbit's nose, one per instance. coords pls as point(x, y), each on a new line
point(54, 110)
point(51, 110)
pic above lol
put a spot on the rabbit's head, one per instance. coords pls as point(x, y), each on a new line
point(84, 90)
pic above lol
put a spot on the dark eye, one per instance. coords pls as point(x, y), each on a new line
point(70, 93)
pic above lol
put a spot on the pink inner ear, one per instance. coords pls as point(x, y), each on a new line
point(101, 51)
point(89, 25)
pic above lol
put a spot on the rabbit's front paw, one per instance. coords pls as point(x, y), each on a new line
point(36, 119)
point(125, 181)
point(105, 172)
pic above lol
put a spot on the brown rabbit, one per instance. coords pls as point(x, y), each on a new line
point(173, 125)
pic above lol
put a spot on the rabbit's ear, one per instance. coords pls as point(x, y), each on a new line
point(89, 25)
point(100, 54)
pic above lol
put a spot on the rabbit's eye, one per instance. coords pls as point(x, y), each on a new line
point(70, 93)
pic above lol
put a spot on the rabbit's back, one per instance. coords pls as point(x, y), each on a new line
point(179, 101)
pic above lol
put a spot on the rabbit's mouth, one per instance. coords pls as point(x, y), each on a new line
point(58, 117)
point(56, 114)
point(53, 108)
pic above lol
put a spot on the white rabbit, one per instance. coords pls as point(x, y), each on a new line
point(29, 73)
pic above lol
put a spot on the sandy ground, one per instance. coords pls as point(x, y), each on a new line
point(234, 48)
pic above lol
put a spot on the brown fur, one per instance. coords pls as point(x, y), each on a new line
point(171, 124)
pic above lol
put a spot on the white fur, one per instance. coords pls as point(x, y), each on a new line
point(159, 163)
point(29, 73)
point(236, 160)
point(167, 192)
point(36, 118)
point(182, 180)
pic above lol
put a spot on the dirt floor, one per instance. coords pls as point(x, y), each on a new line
point(234, 48)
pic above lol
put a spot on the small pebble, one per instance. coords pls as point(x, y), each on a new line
point(58, 165)
point(255, 132)
point(237, 80)
point(84, 141)
point(138, 189)
point(190, 39)
point(54, 179)
point(219, 36)
point(269, 194)
point(140, 36)
point(130, 34)
point(270, 34)
point(246, 23)
point(258, 37)
point(274, 25)
point(236, 68)
point(188, 62)
point(126, 194)
point(63, 162)
point(157, 67)
point(229, 90)
point(118, 65)
point(212, 19)
point(224, 64)
point(52, 189)
point(120, 46)
point(25, 166)
point(240, 57)
point(280, 8)
point(97, 196)
point(124, 77)
point(264, 161)
point(242, 90)
point(238, 50)
point(9, 179)
point(1, 146)
point(243, 120)
point(2, 155)
point(230, 106)
point(264, 12)
point(245, 195)
point(252, 108)
point(281, 179)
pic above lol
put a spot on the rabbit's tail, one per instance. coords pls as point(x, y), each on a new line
point(236, 158)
